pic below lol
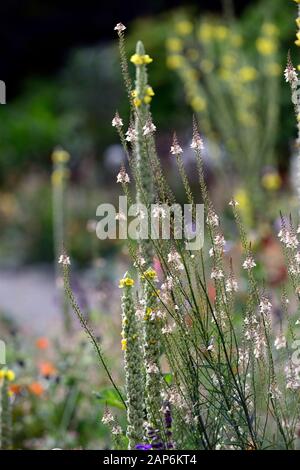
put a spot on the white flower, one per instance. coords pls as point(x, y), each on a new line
point(176, 149)
point(119, 27)
point(131, 135)
point(123, 177)
point(288, 238)
point(231, 285)
point(152, 369)
point(149, 128)
point(175, 258)
point(65, 260)
point(249, 263)
point(212, 219)
point(168, 329)
point(233, 203)
point(197, 143)
point(280, 342)
point(107, 418)
point(265, 306)
point(292, 374)
point(219, 241)
point(116, 430)
point(217, 274)
point(290, 75)
point(117, 121)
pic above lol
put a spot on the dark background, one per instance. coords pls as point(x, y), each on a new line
point(36, 36)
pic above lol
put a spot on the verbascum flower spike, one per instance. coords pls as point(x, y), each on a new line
point(132, 363)
point(60, 175)
point(6, 376)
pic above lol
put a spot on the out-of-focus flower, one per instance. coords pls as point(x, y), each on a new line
point(47, 369)
point(60, 155)
point(42, 343)
point(184, 27)
point(36, 388)
point(7, 374)
point(266, 46)
point(271, 181)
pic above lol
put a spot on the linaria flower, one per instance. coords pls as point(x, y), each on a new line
point(233, 203)
point(217, 274)
point(149, 128)
point(158, 211)
point(107, 417)
point(65, 260)
point(197, 143)
point(131, 134)
point(175, 258)
point(280, 342)
point(123, 177)
point(117, 121)
point(290, 75)
point(265, 306)
point(231, 285)
point(249, 263)
point(176, 149)
point(212, 219)
point(119, 27)
point(288, 238)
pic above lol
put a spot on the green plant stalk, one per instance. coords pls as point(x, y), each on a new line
point(133, 369)
point(6, 418)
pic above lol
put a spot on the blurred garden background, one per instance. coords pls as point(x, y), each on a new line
point(220, 60)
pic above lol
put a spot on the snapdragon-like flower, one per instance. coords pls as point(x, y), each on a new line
point(212, 219)
point(64, 260)
point(149, 128)
point(131, 134)
point(231, 285)
point(265, 306)
point(119, 27)
point(217, 274)
point(197, 143)
point(175, 147)
point(280, 342)
point(288, 238)
point(249, 263)
point(141, 59)
point(175, 258)
point(117, 121)
point(158, 211)
point(233, 203)
point(290, 74)
point(123, 177)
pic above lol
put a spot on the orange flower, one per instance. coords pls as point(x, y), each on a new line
point(15, 389)
point(36, 388)
point(47, 369)
point(42, 343)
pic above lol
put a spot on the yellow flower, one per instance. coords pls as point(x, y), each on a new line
point(298, 21)
point(198, 104)
point(271, 181)
point(7, 374)
point(269, 29)
point(134, 93)
point(297, 1)
point(149, 91)
point(60, 156)
point(126, 281)
point(174, 61)
point(137, 102)
point(247, 74)
point(193, 54)
point(136, 59)
point(207, 65)
point(147, 99)
point(205, 32)
point(147, 59)
point(124, 344)
point(266, 46)
point(221, 32)
point(148, 313)
point(273, 69)
point(236, 40)
point(174, 44)
point(150, 274)
point(184, 27)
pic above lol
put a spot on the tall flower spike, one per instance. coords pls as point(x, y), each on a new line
point(6, 412)
point(132, 362)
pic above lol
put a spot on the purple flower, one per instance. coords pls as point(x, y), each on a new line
point(143, 447)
